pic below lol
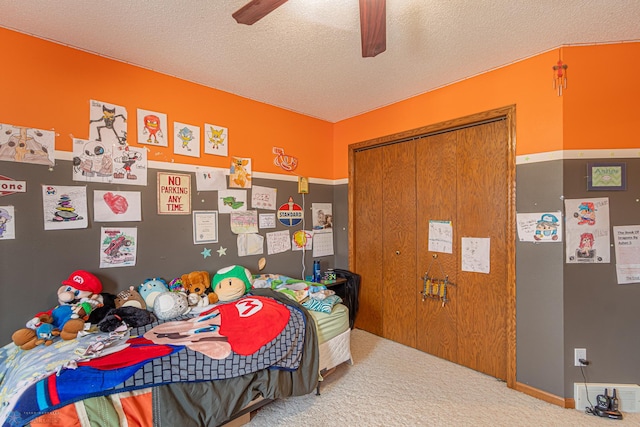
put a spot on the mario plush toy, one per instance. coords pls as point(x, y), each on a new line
point(231, 283)
point(77, 297)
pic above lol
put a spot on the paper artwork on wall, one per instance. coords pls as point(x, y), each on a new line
point(232, 200)
point(174, 193)
point(627, 245)
point(322, 244)
point(210, 179)
point(129, 165)
point(267, 220)
point(587, 230)
point(27, 145)
point(64, 207)
point(263, 197)
point(243, 222)
point(543, 227)
point(476, 254)
point(322, 217)
point(240, 173)
point(216, 140)
point(250, 244)
point(116, 206)
point(118, 247)
point(302, 240)
point(440, 236)
point(278, 242)
point(152, 128)
point(7, 223)
point(92, 161)
point(186, 139)
point(107, 123)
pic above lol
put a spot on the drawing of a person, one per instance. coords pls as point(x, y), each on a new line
point(585, 248)
point(586, 213)
point(4, 218)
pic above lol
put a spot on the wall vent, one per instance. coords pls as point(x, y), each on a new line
point(628, 395)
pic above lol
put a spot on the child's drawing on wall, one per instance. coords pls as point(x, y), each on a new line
point(27, 145)
point(129, 165)
point(152, 128)
point(64, 207)
point(7, 223)
point(92, 161)
point(186, 139)
point(240, 173)
point(108, 123)
point(217, 140)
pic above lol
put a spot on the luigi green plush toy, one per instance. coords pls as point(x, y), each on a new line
point(231, 283)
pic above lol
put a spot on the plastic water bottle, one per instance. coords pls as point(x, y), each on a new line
point(316, 271)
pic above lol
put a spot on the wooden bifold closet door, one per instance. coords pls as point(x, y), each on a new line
point(458, 176)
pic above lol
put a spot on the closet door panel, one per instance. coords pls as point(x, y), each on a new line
point(367, 262)
point(399, 243)
point(436, 200)
point(483, 206)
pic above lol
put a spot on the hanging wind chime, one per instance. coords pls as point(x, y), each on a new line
point(560, 76)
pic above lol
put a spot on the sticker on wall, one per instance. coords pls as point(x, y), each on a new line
point(107, 123)
point(174, 193)
point(64, 207)
point(240, 173)
point(232, 200)
point(263, 197)
point(118, 247)
point(587, 230)
point(27, 145)
point(129, 165)
point(290, 213)
point(92, 161)
point(7, 223)
point(152, 128)
point(216, 140)
point(186, 139)
point(11, 186)
point(116, 206)
point(283, 161)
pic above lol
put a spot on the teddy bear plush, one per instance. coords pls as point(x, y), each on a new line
point(197, 286)
point(231, 283)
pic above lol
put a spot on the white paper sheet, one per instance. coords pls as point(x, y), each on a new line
point(263, 197)
point(322, 243)
point(7, 223)
point(244, 222)
point(627, 246)
point(116, 206)
point(232, 200)
point(210, 179)
point(587, 230)
point(64, 207)
point(205, 227)
point(543, 227)
point(278, 242)
point(440, 236)
point(250, 244)
point(118, 246)
point(476, 254)
point(267, 220)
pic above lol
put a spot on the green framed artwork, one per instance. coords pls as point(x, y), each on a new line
point(606, 176)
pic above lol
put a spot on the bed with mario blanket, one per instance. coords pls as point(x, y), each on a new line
point(193, 370)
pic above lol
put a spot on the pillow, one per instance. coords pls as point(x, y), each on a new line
point(323, 306)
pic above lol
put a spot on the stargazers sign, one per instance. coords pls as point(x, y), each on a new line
point(10, 186)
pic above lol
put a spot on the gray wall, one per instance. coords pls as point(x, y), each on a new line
point(599, 314)
point(33, 265)
point(539, 283)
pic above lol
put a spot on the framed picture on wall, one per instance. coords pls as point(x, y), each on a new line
point(606, 176)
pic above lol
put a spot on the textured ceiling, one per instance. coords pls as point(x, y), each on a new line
point(306, 56)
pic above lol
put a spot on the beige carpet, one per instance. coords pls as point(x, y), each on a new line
point(394, 385)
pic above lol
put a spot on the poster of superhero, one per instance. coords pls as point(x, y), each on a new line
point(587, 230)
point(152, 128)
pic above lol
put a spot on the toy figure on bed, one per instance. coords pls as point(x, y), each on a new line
point(77, 297)
point(231, 283)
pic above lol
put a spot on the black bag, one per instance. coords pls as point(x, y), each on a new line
point(349, 292)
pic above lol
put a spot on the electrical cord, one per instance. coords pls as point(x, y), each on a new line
point(588, 409)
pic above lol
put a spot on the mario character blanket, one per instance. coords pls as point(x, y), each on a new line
point(229, 340)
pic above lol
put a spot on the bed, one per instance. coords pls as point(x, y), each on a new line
point(135, 381)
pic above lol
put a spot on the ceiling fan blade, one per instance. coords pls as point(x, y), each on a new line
point(373, 27)
point(255, 10)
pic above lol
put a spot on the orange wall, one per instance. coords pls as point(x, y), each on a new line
point(601, 104)
point(527, 83)
point(48, 86)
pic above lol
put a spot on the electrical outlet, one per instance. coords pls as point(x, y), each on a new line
point(579, 353)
